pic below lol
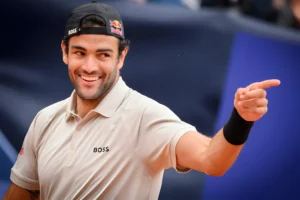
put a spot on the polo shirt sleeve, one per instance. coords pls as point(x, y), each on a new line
point(24, 172)
point(160, 131)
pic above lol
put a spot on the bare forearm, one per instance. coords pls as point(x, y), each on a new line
point(34, 194)
point(15, 193)
point(221, 154)
point(227, 144)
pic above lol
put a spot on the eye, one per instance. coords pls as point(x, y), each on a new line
point(104, 55)
point(79, 53)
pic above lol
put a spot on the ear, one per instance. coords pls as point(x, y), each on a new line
point(122, 58)
point(64, 53)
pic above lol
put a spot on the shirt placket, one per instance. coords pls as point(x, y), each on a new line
point(74, 142)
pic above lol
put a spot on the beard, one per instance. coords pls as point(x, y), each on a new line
point(100, 91)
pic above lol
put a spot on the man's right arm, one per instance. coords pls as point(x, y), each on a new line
point(15, 193)
point(24, 176)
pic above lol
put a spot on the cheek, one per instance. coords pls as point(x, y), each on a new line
point(108, 67)
point(71, 68)
point(73, 62)
point(73, 65)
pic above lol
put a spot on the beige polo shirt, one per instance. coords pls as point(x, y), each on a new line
point(119, 150)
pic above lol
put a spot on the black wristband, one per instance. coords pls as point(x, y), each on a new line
point(237, 130)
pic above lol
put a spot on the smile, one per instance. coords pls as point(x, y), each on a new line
point(90, 78)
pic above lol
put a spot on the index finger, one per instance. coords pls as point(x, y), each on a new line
point(267, 84)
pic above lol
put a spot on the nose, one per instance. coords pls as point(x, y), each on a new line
point(90, 65)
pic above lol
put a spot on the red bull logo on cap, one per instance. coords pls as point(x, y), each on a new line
point(116, 24)
point(116, 27)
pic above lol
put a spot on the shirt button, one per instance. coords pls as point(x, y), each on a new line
point(72, 147)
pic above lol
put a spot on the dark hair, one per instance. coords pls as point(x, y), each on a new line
point(96, 21)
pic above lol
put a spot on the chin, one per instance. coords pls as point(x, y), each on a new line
point(88, 95)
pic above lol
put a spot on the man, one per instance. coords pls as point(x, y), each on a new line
point(107, 141)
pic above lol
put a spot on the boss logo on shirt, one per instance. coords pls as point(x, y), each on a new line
point(101, 149)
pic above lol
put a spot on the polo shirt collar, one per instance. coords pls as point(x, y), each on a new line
point(109, 103)
point(71, 105)
point(113, 99)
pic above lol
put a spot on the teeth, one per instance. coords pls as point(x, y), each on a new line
point(90, 78)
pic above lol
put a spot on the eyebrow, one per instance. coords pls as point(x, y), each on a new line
point(98, 50)
point(78, 47)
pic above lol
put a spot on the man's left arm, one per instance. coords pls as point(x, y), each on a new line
point(214, 156)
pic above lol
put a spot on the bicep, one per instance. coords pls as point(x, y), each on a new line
point(16, 192)
point(191, 151)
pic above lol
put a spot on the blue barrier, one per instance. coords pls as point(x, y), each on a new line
point(8, 156)
point(268, 167)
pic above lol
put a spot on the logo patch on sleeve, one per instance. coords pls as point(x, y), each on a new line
point(22, 151)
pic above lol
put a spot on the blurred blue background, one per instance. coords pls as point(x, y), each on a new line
point(189, 55)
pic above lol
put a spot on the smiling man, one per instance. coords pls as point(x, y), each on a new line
point(108, 141)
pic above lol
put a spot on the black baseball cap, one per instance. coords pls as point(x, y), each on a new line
point(114, 25)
